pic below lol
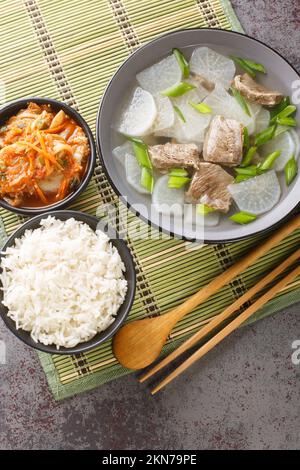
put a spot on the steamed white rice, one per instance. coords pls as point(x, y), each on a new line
point(63, 282)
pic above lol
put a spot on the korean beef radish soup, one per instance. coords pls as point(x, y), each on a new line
point(43, 156)
point(200, 132)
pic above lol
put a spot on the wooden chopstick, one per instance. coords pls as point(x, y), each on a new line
point(218, 282)
point(209, 327)
point(228, 329)
point(130, 344)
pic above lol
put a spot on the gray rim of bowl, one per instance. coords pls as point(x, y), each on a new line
point(128, 205)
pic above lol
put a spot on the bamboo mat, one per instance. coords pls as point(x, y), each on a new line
point(68, 50)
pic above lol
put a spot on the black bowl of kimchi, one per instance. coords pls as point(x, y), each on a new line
point(47, 155)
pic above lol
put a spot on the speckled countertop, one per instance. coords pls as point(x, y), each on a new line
point(243, 395)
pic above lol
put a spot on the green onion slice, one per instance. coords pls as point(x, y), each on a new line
point(203, 209)
point(178, 172)
point(140, 151)
point(176, 182)
point(243, 217)
point(201, 107)
point(291, 109)
point(240, 178)
point(279, 107)
point(182, 62)
point(268, 162)
point(179, 113)
point(249, 65)
point(285, 112)
point(287, 121)
point(241, 100)
point(147, 180)
point(246, 139)
point(255, 66)
point(290, 170)
point(133, 139)
point(142, 154)
point(248, 170)
point(249, 156)
point(265, 136)
point(178, 89)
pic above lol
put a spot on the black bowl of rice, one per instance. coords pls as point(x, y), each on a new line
point(66, 285)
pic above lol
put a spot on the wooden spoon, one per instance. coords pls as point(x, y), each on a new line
point(139, 343)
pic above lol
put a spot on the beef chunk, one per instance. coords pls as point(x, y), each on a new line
point(224, 142)
point(209, 186)
point(256, 93)
point(170, 155)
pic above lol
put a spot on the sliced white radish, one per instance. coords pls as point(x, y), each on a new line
point(173, 132)
point(134, 173)
point(120, 152)
point(213, 66)
point(167, 200)
point(51, 184)
point(191, 217)
point(254, 108)
point(256, 195)
point(160, 76)
point(200, 90)
point(262, 120)
point(222, 103)
point(286, 144)
point(139, 115)
point(165, 113)
point(281, 129)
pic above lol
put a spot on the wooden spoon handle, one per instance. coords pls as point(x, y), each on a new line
point(209, 289)
point(219, 319)
point(228, 329)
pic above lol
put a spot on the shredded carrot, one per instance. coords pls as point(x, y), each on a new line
point(46, 154)
point(40, 193)
point(27, 129)
point(62, 190)
point(54, 130)
point(70, 128)
point(43, 145)
point(41, 141)
point(31, 161)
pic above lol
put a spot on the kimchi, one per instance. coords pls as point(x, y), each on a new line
point(43, 155)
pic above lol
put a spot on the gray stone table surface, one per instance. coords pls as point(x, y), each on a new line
point(242, 395)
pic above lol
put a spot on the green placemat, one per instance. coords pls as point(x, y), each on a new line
point(69, 50)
